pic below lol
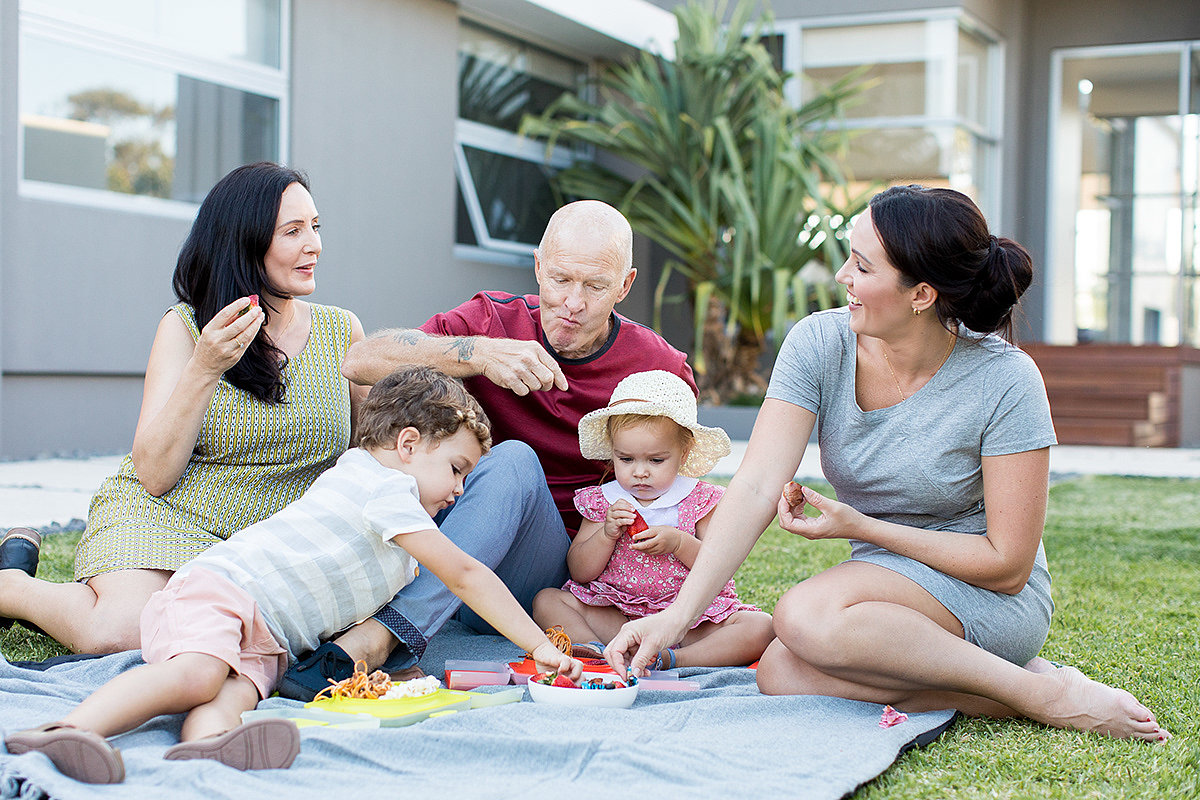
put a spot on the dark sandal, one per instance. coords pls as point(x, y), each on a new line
point(76, 753)
point(20, 549)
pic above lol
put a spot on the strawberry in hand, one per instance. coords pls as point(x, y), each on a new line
point(638, 525)
point(253, 304)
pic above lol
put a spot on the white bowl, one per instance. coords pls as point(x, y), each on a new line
point(595, 698)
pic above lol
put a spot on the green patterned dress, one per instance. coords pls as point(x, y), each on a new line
point(250, 460)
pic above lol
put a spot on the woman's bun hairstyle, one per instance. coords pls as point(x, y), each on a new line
point(940, 237)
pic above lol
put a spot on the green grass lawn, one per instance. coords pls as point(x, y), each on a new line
point(1125, 556)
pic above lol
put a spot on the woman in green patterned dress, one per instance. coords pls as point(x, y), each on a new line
point(244, 405)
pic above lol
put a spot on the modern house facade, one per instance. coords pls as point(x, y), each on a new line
point(1075, 124)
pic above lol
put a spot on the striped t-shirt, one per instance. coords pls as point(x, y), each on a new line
point(327, 560)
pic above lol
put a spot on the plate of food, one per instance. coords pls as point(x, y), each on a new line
point(395, 704)
point(595, 689)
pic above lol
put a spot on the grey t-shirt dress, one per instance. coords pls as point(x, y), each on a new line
point(919, 462)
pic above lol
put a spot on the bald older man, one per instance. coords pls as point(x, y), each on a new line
point(537, 364)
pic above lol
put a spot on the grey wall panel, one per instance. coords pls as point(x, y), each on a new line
point(374, 104)
point(8, 124)
point(67, 415)
point(98, 279)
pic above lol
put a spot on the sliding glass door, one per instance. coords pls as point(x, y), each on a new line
point(1123, 201)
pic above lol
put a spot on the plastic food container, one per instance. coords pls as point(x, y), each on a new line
point(594, 698)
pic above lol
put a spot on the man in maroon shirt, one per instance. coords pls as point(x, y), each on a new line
point(537, 364)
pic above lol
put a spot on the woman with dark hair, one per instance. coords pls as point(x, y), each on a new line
point(244, 405)
point(935, 433)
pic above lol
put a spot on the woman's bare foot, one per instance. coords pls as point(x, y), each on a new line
point(1087, 705)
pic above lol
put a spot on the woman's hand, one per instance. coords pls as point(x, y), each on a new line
point(638, 643)
point(181, 376)
point(658, 540)
point(223, 341)
point(837, 520)
point(619, 517)
point(550, 659)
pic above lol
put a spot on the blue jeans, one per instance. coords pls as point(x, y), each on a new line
point(507, 519)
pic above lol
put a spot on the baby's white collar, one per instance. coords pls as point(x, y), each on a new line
point(678, 490)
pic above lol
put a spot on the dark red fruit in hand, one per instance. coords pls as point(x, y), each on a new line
point(638, 525)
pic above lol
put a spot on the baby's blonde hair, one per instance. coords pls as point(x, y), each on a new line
point(620, 422)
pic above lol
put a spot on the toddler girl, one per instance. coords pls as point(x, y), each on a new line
point(621, 570)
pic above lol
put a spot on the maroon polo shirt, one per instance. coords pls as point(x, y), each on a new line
point(548, 421)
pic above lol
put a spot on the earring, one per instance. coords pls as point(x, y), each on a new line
point(916, 311)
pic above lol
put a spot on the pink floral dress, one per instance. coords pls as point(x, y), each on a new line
point(640, 584)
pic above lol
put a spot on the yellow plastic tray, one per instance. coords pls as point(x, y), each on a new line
point(401, 711)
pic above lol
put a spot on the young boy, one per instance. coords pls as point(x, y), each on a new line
point(217, 638)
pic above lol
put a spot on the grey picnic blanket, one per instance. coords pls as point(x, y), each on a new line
point(725, 740)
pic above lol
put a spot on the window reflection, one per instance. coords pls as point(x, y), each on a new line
point(504, 192)
point(1122, 147)
point(924, 114)
point(101, 122)
point(514, 195)
point(242, 29)
point(502, 79)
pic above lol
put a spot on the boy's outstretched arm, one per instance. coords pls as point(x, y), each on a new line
point(487, 596)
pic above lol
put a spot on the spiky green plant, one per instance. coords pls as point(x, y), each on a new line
point(742, 190)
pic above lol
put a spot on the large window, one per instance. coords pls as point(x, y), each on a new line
point(149, 98)
point(504, 192)
point(929, 113)
point(1124, 214)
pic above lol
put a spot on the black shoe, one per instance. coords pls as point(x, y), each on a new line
point(323, 666)
point(19, 549)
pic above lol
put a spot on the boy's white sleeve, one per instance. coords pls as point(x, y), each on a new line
point(394, 508)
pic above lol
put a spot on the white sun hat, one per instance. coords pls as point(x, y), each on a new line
point(660, 394)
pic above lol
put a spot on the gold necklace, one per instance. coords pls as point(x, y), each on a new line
point(287, 327)
point(888, 361)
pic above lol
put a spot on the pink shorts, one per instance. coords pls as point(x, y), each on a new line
point(203, 612)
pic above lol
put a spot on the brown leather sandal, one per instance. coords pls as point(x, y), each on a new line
point(76, 753)
point(259, 744)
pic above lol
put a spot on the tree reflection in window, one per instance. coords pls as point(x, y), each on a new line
point(138, 164)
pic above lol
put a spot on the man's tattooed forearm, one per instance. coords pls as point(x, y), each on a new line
point(463, 348)
point(408, 336)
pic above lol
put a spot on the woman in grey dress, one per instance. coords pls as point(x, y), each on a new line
point(934, 431)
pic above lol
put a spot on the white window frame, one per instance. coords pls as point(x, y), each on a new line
point(510, 144)
point(47, 23)
point(1059, 326)
point(954, 20)
point(494, 140)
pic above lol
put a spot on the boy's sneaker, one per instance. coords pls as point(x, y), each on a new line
point(323, 666)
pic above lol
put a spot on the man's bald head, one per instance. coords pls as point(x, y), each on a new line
point(591, 229)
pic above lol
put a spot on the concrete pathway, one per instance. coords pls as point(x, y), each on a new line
point(56, 492)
